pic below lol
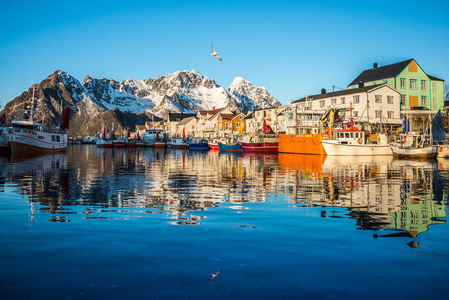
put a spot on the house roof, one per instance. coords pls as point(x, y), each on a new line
point(237, 115)
point(435, 78)
point(250, 116)
point(185, 121)
point(227, 116)
point(176, 117)
point(383, 72)
point(341, 93)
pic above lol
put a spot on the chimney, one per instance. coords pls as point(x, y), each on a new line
point(323, 91)
point(375, 66)
point(361, 84)
point(213, 108)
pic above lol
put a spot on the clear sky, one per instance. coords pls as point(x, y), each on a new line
point(293, 48)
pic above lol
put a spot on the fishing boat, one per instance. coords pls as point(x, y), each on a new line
point(105, 141)
point(414, 145)
point(213, 144)
point(198, 145)
point(154, 138)
point(178, 143)
point(118, 142)
point(229, 144)
point(305, 131)
point(267, 141)
point(29, 136)
point(350, 141)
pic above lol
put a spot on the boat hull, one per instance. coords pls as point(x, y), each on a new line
point(198, 146)
point(213, 146)
point(415, 153)
point(37, 143)
point(443, 151)
point(260, 147)
point(230, 147)
point(333, 148)
point(104, 144)
point(302, 143)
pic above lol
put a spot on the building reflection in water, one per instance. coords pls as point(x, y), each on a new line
point(393, 197)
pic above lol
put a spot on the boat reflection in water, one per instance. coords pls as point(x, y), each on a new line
point(395, 197)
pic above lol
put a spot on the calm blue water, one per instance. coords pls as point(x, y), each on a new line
point(154, 224)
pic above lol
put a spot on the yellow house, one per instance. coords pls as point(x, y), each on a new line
point(231, 124)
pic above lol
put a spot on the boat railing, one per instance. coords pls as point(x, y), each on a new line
point(37, 130)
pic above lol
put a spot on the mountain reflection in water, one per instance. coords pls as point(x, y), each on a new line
point(392, 197)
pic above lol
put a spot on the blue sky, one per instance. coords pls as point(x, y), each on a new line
point(293, 48)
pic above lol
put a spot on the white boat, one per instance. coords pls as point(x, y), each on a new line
point(354, 142)
point(413, 145)
point(154, 138)
point(31, 137)
point(178, 143)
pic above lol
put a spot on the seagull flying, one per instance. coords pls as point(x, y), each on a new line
point(215, 53)
point(215, 274)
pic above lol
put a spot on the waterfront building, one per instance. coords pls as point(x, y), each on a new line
point(417, 88)
point(207, 125)
point(172, 121)
point(369, 105)
point(186, 127)
point(229, 124)
point(270, 115)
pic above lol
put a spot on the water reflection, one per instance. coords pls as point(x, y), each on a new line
point(391, 197)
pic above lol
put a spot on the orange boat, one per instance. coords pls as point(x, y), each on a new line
point(302, 143)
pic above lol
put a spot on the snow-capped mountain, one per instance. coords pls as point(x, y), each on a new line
point(180, 92)
point(251, 97)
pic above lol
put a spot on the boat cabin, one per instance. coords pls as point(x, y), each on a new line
point(349, 136)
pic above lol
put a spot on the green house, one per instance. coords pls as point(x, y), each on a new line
point(417, 88)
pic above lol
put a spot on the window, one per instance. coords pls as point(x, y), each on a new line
point(226, 126)
point(355, 114)
point(434, 102)
point(378, 98)
point(423, 85)
point(423, 100)
point(342, 100)
point(413, 84)
point(402, 83)
point(390, 115)
point(434, 87)
point(385, 81)
point(378, 114)
point(356, 98)
point(403, 100)
point(322, 103)
point(390, 99)
point(333, 101)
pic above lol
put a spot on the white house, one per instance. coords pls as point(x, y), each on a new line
point(370, 106)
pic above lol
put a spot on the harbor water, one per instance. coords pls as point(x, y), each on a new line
point(157, 223)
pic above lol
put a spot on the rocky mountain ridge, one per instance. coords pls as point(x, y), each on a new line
point(98, 102)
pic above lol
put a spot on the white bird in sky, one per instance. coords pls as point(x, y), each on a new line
point(215, 53)
point(215, 274)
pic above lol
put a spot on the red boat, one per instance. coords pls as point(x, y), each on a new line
point(268, 141)
point(260, 147)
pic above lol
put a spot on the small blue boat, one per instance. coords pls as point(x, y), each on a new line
point(198, 145)
point(230, 147)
